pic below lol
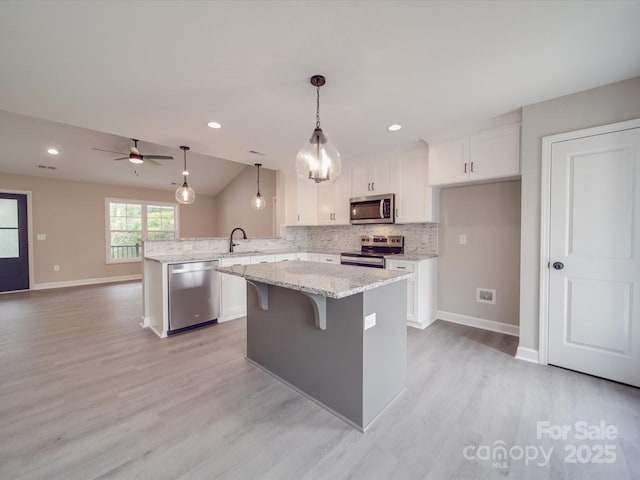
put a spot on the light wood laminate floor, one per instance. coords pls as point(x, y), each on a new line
point(86, 393)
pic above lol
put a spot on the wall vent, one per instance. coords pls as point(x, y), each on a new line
point(47, 167)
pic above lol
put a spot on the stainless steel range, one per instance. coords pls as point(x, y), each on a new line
point(373, 250)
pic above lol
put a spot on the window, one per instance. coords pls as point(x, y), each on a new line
point(131, 221)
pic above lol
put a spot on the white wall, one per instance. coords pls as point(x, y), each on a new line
point(608, 104)
point(489, 216)
point(234, 204)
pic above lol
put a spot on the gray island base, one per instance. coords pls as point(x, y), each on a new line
point(347, 354)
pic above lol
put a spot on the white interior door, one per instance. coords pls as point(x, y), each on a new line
point(594, 243)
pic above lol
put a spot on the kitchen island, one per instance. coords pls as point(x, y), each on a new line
point(335, 333)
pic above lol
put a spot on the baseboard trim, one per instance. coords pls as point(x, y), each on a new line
point(482, 323)
point(418, 325)
point(85, 281)
point(527, 354)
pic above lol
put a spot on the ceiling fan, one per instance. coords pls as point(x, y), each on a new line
point(135, 156)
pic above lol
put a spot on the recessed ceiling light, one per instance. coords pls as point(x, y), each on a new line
point(214, 125)
point(52, 151)
point(394, 128)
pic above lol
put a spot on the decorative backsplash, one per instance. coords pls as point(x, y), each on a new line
point(294, 241)
point(418, 238)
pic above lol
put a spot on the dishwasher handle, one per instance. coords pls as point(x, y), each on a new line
point(186, 270)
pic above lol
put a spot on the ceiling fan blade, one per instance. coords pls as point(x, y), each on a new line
point(152, 162)
point(109, 151)
point(122, 158)
point(134, 150)
point(158, 157)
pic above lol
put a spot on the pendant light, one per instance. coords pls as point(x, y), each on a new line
point(318, 161)
point(185, 193)
point(258, 202)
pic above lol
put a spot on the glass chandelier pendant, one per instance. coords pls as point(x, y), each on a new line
point(258, 202)
point(185, 193)
point(318, 161)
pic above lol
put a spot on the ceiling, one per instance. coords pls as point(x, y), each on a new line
point(159, 71)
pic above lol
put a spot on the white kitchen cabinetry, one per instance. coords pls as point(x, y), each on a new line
point(415, 202)
point(328, 258)
point(486, 155)
point(285, 257)
point(374, 178)
point(233, 291)
point(333, 201)
point(301, 206)
point(312, 257)
point(421, 290)
point(262, 259)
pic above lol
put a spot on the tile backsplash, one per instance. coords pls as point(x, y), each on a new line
point(419, 238)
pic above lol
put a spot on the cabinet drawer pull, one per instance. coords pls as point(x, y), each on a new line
point(471, 167)
point(401, 268)
point(369, 186)
point(465, 167)
point(373, 185)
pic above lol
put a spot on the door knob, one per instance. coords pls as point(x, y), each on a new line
point(558, 265)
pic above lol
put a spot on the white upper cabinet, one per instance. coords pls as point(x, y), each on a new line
point(301, 201)
point(489, 154)
point(414, 202)
point(449, 162)
point(495, 153)
point(333, 200)
point(374, 178)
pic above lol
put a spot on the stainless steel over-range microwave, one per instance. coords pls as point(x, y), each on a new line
point(373, 209)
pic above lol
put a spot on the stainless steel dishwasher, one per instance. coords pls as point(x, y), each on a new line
point(194, 295)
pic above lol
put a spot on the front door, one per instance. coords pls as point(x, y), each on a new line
point(14, 242)
point(594, 249)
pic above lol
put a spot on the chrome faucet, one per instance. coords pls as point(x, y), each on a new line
point(231, 244)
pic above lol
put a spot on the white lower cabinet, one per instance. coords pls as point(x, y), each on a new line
point(233, 291)
point(421, 290)
point(328, 258)
point(262, 259)
point(285, 257)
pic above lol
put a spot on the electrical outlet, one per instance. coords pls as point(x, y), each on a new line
point(41, 236)
point(486, 295)
point(463, 239)
point(56, 268)
point(369, 321)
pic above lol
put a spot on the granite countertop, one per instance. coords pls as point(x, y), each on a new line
point(330, 251)
point(411, 256)
point(185, 257)
point(333, 281)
